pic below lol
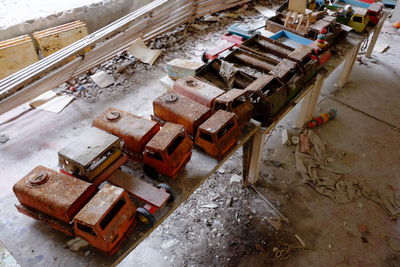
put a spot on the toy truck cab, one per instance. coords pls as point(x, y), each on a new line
point(92, 156)
point(167, 152)
point(359, 20)
point(235, 101)
point(268, 95)
point(375, 12)
point(135, 131)
point(106, 218)
point(217, 135)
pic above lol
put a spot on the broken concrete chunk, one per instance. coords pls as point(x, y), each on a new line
point(77, 243)
point(211, 18)
point(304, 144)
point(295, 140)
point(102, 79)
point(199, 27)
point(180, 68)
point(235, 179)
point(3, 138)
point(209, 206)
point(285, 137)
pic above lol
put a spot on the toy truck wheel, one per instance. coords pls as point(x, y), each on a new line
point(169, 190)
point(145, 217)
point(150, 171)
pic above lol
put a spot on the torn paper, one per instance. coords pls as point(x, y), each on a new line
point(140, 51)
point(52, 102)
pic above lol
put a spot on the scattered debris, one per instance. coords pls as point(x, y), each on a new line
point(235, 178)
point(328, 182)
point(304, 144)
point(102, 79)
point(3, 138)
point(267, 12)
point(382, 47)
point(322, 118)
point(300, 240)
point(180, 68)
point(229, 202)
point(396, 24)
point(269, 205)
point(285, 137)
point(211, 18)
point(51, 101)
point(167, 82)
point(394, 243)
point(77, 243)
point(209, 206)
point(294, 139)
point(139, 50)
point(276, 163)
point(276, 223)
point(200, 27)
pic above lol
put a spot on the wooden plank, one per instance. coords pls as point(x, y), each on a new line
point(298, 6)
point(252, 153)
point(310, 102)
point(49, 243)
point(16, 55)
point(55, 40)
point(375, 35)
point(348, 66)
point(139, 188)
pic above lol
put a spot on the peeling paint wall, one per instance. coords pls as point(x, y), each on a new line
point(95, 15)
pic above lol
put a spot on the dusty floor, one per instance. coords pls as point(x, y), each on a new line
point(363, 142)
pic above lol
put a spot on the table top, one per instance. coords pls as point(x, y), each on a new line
point(34, 242)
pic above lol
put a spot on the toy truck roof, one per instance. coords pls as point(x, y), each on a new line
point(163, 138)
point(90, 144)
point(217, 121)
point(230, 95)
point(100, 204)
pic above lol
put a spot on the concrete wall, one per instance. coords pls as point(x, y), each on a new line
point(95, 15)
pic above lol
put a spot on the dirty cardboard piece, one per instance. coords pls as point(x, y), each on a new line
point(139, 50)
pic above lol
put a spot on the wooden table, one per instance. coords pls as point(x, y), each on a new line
point(35, 243)
point(347, 53)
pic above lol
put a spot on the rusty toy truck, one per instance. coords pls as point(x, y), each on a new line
point(235, 101)
point(103, 217)
point(163, 150)
point(176, 108)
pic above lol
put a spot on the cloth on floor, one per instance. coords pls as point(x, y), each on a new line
point(389, 199)
point(328, 182)
point(227, 72)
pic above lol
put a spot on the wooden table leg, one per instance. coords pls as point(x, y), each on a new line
point(375, 35)
point(252, 153)
point(310, 102)
point(348, 66)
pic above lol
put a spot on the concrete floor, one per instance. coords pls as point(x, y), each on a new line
point(366, 130)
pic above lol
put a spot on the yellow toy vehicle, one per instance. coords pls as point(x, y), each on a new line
point(359, 20)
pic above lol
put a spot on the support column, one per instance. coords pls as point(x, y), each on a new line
point(310, 102)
